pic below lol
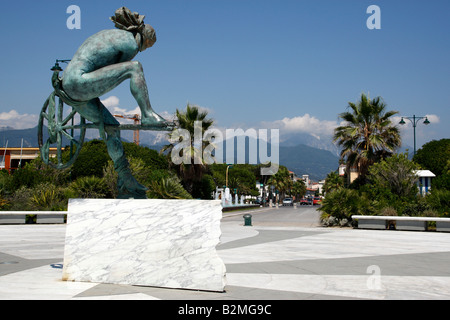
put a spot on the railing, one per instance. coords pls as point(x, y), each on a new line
point(30, 217)
point(402, 223)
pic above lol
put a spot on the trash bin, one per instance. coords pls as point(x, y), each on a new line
point(247, 220)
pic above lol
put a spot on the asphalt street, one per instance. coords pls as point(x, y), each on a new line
point(301, 216)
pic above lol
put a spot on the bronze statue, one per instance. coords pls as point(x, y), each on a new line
point(101, 63)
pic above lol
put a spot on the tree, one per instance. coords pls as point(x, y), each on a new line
point(281, 181)
point(396, 174)
point(245, 181)
point(240, 177)
point(367, 134)
point(333, 181)
point(150, 157)
point(298, 189)
point(189, 173)
point(91, 160)
point(435, 156)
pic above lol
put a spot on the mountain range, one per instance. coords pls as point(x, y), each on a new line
point(300, 153)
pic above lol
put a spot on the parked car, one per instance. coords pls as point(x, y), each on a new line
point(317, 201)
point(305, 201)
point(288, 202)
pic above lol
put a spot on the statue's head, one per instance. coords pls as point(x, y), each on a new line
point(124, 19)
point(148, 37)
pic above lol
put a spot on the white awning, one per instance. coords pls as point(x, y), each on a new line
point(425, 173)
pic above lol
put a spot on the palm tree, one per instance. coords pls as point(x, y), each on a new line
point(298, 189)
point(281, 181)
point(367, 134)
point(192, 172)
point(333, 182)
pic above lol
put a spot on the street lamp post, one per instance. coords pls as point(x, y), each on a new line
point(414, 120)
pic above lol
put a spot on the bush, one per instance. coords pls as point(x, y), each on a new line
point(434, 156)
point(89, 187)
point(167, 188)
point(395, 174)
point(20, 200)
point(343, 203)
point(416, 208)
point(91, 160)
point(143, 174)
point(389, 211)
point(205, 188)
point(5, 183)
point(46, 173)
point(151, 158)
point(27, 176)
point(439, 200)
point(48, 197)
point(442, 181)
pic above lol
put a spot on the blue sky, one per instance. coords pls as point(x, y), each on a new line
point(291, 64)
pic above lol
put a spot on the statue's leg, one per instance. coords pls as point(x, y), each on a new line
point(94, 84)
point(128, 186)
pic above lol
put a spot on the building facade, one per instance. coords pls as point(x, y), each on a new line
point(13, 158)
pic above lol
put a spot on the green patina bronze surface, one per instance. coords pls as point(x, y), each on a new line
point(101, 63)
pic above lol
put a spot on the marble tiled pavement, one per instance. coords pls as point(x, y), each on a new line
point(270, 260)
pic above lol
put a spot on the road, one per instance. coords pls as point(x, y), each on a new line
point(302, 216)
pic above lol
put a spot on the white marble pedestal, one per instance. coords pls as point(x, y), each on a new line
point(160, 243)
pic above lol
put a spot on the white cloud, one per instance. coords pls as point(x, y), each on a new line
point(18, 121)
point(113, 105)
point(304, 124)
point(433, 118)
point(111, 102)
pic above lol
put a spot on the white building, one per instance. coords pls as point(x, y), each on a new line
point(424, 181)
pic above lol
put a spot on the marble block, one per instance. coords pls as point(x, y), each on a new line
point(158, 243)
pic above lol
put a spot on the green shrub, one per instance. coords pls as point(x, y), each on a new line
point(416, 208)
point(389, 211)
point(151, 158)
point(205, 188)
point(89, 187)
point(5, 183)
point(91, 160)
point(167, 188)
point(439, 200)
point(48, 197)
point(27, 176)
point(20, 200)
point(343, 203)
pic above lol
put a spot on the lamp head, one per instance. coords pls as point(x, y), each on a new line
point(56, 67)
point(426, 122)
point(402, 122)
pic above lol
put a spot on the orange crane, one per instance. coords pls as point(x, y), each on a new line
point(137, 121)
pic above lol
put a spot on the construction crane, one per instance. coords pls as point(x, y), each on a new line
point(137, 121)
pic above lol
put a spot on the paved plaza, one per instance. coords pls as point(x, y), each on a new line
point(284, 255)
